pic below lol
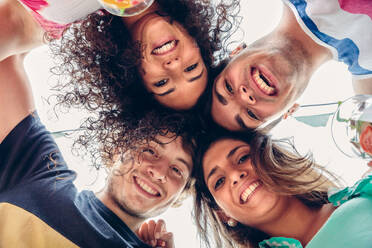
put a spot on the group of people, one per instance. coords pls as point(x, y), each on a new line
point(173, 114)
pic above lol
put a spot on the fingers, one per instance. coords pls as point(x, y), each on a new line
point(155, 234)
point(166, 239)
point(159, 229)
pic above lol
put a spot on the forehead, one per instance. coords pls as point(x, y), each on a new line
point(173, 148)
point(218, 152)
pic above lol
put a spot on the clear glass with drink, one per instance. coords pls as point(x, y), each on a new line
point(352, 127)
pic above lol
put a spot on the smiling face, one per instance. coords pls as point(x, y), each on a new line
point(155, 178)
point(259, 84)
point(236, 188)
point(172, 67)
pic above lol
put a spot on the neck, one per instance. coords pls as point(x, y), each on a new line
point(131, 221)
point(289, 27)
point(298, 221)
point(129, 22)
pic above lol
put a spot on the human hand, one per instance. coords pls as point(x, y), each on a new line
point(155, 234)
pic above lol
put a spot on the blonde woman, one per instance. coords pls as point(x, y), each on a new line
point(252, 192)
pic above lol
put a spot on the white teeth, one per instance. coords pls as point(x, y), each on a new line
point(262, 84)
point(165, 48)
point(146, 187)
point(246, 193)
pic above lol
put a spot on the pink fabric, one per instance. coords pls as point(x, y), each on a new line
point(357, 6)
point(35, 5)
point(53, 29)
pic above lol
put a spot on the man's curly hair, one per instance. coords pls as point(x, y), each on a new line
point(97, 69)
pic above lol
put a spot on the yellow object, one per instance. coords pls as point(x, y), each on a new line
point(22, 229)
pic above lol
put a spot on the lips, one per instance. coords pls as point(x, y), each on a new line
point(146, 187)
point(248, 191)
point(165, 48)
point(263, 81)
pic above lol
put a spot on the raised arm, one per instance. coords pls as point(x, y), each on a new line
point(16, 100)
point(19, 32)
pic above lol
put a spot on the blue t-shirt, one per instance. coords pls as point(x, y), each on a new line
point(39, 204)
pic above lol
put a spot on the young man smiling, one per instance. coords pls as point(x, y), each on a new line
point(265, 79)
point(39, 204)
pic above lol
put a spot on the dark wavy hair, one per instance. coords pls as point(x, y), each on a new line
point(97, 68)
point(281, 169)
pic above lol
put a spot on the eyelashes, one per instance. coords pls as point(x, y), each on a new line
point(240, 160)
point(161, 83)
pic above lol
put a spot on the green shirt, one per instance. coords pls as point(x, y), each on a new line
point(349, 226)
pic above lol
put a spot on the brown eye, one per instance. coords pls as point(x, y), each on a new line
point(161, 83)
point(219, 183)
point(228, 87)
point(243, 158)
point(190, 68)
point(177, 171)
point(252, 115)
point(150, 153)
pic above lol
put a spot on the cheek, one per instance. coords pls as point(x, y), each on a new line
point(225, 202)
point(176, 185)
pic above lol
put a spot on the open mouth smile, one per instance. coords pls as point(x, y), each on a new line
point(165, 47)
point(249, 191)
point(146, 188)
point(263, 82)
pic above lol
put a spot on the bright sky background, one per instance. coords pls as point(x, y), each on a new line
point(330, 83)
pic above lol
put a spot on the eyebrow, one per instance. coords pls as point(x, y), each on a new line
point(197, 77)
point(240, 122)
point(165, 93)
point(231, 153)
point(185, 163)
point(163, 146)
point(213, 171)
point(220, 98)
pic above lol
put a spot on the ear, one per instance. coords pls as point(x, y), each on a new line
point(238, 50)
point(291, 110)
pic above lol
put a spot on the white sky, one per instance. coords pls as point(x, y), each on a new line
point(330, 83)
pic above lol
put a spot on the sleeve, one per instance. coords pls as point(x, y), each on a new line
point(363, 186)
point(29, 153)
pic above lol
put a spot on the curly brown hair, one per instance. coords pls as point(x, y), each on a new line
point(281, 169)
point(97, 68)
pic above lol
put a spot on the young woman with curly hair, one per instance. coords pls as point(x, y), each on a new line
point(119, 68)
point(144, 178)
point(251, 191)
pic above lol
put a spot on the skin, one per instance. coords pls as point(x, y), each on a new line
point(176, 77)
point(155, 234)
point(287, 57)
point(164, 167)
point(20, 32)
point(228, 172)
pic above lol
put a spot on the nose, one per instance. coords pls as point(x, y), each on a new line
point(237, 175)
point(172, 63)
point(157, 173)
point(246, 95)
